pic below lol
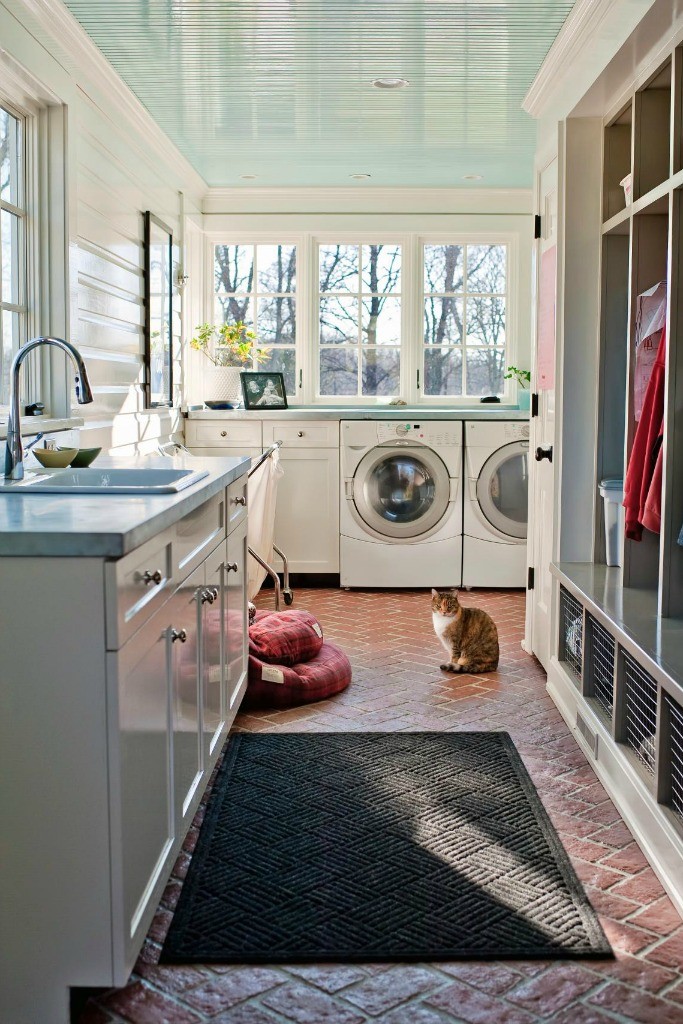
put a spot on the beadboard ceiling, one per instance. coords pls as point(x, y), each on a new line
point(281, 89)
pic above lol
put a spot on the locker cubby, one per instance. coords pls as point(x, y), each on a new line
point(571, 634)
point(652, 133)
point(649, 265)
point(673, 762)
point(640, 712)
point(617, 161)
point(599, 670)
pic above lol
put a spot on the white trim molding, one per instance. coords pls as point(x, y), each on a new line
point(592, 34)
point(372, 200)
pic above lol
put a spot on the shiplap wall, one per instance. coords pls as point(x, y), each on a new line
point(116, 169)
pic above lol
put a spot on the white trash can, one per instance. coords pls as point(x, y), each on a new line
point(612, 492)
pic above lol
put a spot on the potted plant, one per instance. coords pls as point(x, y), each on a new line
point(229, 348)
point(523, 378)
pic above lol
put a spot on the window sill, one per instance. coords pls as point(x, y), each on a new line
point(32, 425)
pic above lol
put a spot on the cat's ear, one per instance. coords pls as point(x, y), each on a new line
point(435, 593)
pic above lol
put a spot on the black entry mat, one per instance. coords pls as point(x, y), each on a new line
point(378, 846)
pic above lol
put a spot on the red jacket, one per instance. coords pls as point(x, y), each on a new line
point(643, 485)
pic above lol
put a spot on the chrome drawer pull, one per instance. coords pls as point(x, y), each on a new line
point(231, 566)
point(240, 501)
point(224, 433)
point(151, 577)
point(178, 634)
point(299, 433)
point(208, 596)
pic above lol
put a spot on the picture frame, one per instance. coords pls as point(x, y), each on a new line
point(158, 273)
point(263, 390)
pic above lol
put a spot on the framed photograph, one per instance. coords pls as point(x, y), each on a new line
point(263, 390)
point(158, 368)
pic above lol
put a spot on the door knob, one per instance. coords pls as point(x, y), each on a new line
point(544, 453)
point(178, 634)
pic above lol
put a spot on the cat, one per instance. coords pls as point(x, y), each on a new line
point(468, 634)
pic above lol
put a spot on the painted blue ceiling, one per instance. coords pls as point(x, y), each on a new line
point(281, 89)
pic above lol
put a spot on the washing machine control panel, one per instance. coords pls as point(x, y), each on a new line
point(429, 433)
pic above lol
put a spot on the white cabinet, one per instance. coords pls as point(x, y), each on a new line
point(236, 632)
point(307, 512)
point(141, 798)
point(119, 689)
point(307, 515)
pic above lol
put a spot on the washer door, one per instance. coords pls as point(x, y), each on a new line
point(503, 489)
point(401, 492)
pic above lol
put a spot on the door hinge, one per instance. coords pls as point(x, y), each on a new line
point(530, 578)
point(534, 403)
point(537, 226)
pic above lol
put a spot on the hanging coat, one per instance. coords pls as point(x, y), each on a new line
point(643, 484)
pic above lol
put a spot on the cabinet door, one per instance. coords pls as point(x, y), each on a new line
point(307, 511)
point(236, 618)
point(213, 602)
point(184, 612)
point(142, 772)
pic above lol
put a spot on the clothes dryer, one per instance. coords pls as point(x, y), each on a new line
point(495, 509)
point(401, 514)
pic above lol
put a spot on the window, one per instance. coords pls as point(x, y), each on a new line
point(13, 309)
point(360, 320)
point(430, 319)
point(257, 284)
point(465, 291)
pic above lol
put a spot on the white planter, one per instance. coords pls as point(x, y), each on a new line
point(222, 384)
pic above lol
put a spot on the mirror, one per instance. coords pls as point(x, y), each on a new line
point(158, 313)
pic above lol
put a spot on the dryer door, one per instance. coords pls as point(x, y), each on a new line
point(401, 492)
point(503, 489)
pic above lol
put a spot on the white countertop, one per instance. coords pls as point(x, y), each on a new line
point(106, 526)
point(487, 411)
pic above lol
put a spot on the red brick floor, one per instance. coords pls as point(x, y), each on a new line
point(398, 686)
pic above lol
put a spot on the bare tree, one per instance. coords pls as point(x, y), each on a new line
point(347, 304)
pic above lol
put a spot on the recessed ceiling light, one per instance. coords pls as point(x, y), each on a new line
point(390, 83)
point(360, 177)
point(472, 177)
point(247, 177)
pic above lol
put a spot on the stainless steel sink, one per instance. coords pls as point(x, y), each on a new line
point(106, 481)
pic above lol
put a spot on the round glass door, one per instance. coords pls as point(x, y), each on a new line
point(401, 492)
point(503, 489)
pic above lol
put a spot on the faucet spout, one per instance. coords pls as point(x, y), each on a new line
point(14, 454)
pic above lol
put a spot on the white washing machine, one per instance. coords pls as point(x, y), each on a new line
point(401, 503)
point(495, 508)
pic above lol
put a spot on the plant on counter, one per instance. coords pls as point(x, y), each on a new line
point(523, 377)
point(228, 344)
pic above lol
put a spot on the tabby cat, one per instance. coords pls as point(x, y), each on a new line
point(468, 634)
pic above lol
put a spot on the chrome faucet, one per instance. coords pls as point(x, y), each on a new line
point(14, 453)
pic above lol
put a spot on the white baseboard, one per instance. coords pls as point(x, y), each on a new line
point(655, 834)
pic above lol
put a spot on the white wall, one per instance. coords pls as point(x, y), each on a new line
point(118, 164)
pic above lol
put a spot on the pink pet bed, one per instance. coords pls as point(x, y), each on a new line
point(290, 663)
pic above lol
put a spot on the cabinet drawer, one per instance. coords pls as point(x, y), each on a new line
point(237, 502)
point(223, 433)
point(303, 434)
point(136, 586)
point(197, 534)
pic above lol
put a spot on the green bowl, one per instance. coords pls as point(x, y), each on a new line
point(83, 457)
point(55, 459)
